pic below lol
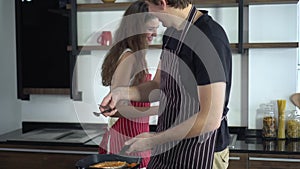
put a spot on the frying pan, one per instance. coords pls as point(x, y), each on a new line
point(86, 162)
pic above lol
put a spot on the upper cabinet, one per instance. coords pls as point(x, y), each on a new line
point(42, 34)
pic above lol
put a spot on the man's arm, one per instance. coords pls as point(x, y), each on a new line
point(208, 119)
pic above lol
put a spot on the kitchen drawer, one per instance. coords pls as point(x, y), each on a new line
point(238, 161)
point(273, 161)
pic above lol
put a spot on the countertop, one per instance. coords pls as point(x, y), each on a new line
point(5, 139)
point(267, 147)
point(245, 143)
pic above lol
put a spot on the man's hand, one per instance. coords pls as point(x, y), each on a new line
point(141, 142)
point(109, 102)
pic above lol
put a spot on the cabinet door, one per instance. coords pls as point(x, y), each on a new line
point(42, 38)
point(18, 160)
point(238, 161)
point(272, 161)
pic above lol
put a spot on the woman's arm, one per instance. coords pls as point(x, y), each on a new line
point(124, 71)
point(148, 91)
point(134, 112)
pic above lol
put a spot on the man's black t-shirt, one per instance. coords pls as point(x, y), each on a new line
point(207, 54)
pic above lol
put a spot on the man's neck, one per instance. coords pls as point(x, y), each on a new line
point(183, 14)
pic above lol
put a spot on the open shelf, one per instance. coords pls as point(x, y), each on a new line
point(124, 5)
point(234, 46)
point(272, 45)
point(198, 3)
point(261, 2)
point(90, 48)
point(101, 6)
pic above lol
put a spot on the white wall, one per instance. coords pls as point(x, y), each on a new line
point(272, 72)
point(298, 86)
point(10, 107)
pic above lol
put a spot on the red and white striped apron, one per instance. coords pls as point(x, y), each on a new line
point(125, 129)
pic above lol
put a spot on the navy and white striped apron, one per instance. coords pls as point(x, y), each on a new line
point(176, 106)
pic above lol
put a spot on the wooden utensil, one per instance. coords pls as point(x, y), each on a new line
point(295, 99)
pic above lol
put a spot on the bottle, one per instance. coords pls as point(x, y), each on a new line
point(281, 118)
point(269, 122)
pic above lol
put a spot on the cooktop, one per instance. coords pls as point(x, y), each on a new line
point(50, 135)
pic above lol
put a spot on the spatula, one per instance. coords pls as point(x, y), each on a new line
point(124, 149)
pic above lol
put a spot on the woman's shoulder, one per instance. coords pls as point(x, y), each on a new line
point(127, 54)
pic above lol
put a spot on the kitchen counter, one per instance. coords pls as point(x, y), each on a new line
point(13, 138)
point(245, 143)
point(258, 145)
point(246, 150)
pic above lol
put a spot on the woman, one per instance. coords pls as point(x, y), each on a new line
point(125, 65)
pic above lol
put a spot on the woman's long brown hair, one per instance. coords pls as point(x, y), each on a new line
point(130, 34)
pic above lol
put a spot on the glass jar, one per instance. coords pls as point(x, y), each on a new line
point(269, 145)
point(269, 122)
point(293, 125)
point(281, 145)
point(293, 146)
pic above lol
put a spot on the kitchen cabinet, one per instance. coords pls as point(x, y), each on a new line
point(238, 161)
point(42, 34)
point(27, 160)
point(263, 161)
point(37, 157)
point(273, 161)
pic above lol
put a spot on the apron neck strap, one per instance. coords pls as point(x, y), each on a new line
point(187, 25)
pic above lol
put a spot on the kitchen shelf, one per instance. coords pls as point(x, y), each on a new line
point(101, 6)
point(61, 91)
point(240, 47)
point(124, 5)
point(234, 46)
point(272, 45)
point(261, 2)
point(198, 3)
point(90, 48)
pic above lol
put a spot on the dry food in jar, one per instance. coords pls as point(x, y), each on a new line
point(293, 128)
point(269, 127)
point(293, 125)
point(281, 104)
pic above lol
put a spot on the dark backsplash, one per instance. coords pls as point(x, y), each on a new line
point(242, 132)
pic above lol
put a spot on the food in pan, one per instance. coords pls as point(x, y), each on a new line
point(109, 164)
point(131, 165)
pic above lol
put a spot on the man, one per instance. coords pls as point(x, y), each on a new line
point(194, 79)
